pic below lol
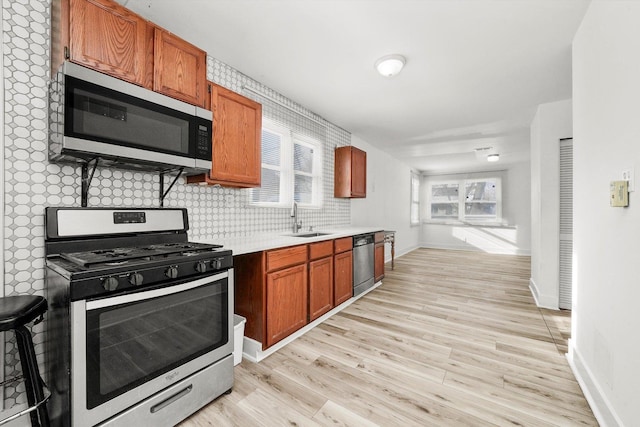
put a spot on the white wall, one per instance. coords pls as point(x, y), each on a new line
point(605, 343)
point(513, 238)
point(551, 123)
point(387, 204)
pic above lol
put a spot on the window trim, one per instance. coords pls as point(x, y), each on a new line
point(414, 196)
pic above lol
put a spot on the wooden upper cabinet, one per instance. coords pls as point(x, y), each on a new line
point(179, 68)
point(105, 36)
point(350, 170)
point(237, 141)
point(237, 138)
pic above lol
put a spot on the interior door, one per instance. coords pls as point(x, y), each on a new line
point(566, 222)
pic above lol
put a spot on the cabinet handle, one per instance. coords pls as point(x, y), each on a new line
point(66, 52)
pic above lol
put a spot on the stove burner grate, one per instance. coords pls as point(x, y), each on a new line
point(116, 256)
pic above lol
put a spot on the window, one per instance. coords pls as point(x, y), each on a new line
point(480, 200)
point(291, 169)
point(415, 199)
point(444, 201)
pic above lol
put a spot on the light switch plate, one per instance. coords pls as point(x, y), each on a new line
point(629, 176)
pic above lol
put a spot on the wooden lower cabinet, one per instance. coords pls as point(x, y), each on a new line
point(343, 277)
point(286, 305)
point(320, 287)
point(281, 290)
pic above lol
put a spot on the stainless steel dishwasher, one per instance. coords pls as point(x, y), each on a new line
point(362, 263)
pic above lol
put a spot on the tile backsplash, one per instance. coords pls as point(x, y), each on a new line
point(31, 182)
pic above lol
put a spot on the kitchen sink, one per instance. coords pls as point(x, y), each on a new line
point(309, 234)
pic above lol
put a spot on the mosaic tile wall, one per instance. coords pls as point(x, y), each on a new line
point(31, 183)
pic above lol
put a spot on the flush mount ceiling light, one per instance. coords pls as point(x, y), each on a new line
point(493, 157)
point(390, 65)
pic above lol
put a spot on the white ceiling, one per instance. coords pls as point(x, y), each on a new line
point(475, 72)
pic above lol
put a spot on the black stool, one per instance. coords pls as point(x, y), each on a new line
point(15, 313)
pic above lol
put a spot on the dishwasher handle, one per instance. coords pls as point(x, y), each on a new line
point(362, 239)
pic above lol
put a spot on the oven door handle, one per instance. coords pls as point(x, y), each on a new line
point(155, 293)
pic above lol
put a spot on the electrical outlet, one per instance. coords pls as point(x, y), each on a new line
point(628, 176)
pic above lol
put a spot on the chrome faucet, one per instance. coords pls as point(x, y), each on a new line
point(297, 225)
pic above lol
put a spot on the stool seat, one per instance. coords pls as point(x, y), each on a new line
point(19, 310)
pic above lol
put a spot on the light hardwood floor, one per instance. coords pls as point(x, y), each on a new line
point(451, 338)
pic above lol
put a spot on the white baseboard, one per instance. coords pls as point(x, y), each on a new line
point(401, 252)
point(534, 290)
point(252, 349)
point(600, 405)
point(465, 247)
point(543, 301)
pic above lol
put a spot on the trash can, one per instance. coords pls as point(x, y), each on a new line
point(238, 338)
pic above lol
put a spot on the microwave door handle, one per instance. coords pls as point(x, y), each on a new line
point(145, 295)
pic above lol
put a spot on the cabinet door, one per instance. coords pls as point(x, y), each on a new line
point(378, 261)
point(343, 284)
point(286, 302)
point(109, 38)
point(237, 133)
point(350, 172)
point(358, 173)
point(179, 68)
point(320, 287)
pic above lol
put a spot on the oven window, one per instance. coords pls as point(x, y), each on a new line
point(130, 344)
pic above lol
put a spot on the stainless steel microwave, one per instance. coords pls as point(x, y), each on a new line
point(93, 115)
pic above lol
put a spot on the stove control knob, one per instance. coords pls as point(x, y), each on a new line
point(201, 267)
point(216, 264)
point(110, 283)
point(171, 272)
point(136, 279)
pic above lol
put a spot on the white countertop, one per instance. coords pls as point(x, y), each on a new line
point(281, 239)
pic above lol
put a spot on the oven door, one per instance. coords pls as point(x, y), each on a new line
point(128, 347)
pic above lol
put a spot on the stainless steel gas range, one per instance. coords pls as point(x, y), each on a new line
point(140, 326)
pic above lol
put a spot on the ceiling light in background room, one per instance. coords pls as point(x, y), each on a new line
point(493, 157)
point(390, 65)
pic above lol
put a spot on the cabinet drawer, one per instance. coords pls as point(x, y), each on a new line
point(281, 258)
point(320, 249)
point(379, 237)
point(344, 244)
